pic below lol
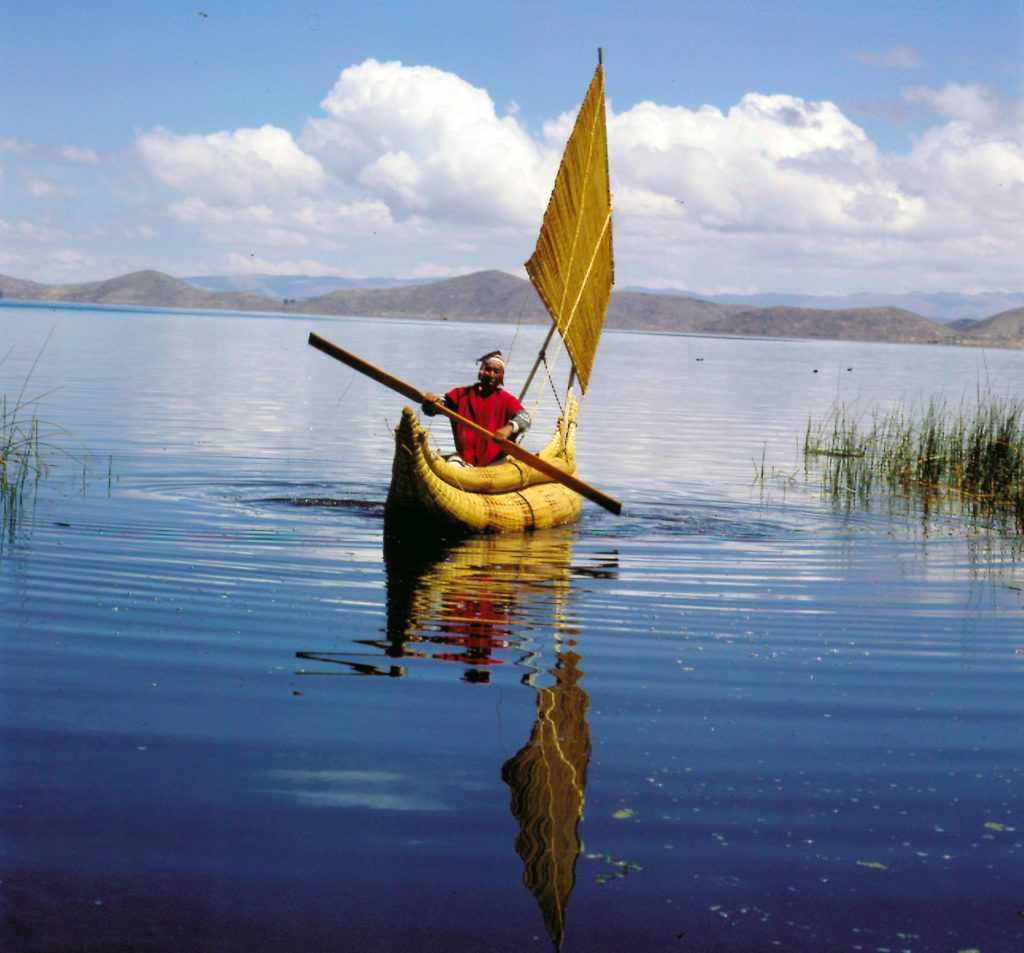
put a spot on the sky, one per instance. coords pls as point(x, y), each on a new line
point(809, 146)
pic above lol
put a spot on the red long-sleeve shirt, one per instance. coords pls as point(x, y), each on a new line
point(491, 411)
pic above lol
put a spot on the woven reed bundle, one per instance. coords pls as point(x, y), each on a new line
point(420, 496)
point(508, 476)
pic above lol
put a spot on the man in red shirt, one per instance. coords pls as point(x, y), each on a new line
point(487, 403)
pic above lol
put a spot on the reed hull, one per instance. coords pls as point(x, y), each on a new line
point(432, 496)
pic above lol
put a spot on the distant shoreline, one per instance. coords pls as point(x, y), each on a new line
point(493, 297)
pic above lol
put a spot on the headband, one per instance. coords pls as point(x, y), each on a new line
point(494, 357)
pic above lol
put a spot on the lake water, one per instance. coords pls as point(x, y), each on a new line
point(733, 719)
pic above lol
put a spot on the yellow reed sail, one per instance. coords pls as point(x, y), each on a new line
point(572, 266)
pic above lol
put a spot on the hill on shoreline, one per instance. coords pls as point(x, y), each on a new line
point(495, 296)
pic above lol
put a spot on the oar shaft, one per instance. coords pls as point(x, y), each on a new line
point(364, 367)
point(508, 446)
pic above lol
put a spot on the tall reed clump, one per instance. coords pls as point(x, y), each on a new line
point(21, 463)
point(25, 442)
point(974, 455)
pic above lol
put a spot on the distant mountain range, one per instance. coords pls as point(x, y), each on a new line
point(943, 307)
point(495, 296)
point(940, 306)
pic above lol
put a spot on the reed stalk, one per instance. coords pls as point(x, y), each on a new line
point(973, 456)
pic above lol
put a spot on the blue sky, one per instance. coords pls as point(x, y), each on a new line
point(800, 146)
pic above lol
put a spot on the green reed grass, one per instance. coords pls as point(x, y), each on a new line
point(973, 455)
point(25, 443)
point(21, 463)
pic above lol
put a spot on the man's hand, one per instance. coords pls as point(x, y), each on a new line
point(504, 432)
point(429, 400)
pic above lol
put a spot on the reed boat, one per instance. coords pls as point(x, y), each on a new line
point(427, 492)
point(572, 270)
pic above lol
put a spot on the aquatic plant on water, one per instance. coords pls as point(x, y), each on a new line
point(971, 457)
point(24, 444)
point(21, 463)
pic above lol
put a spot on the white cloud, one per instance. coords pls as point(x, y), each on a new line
point(66, 153)
point(15, 145)
point(428, 143)
point(78, 155)
point(199, 211)
point(286, 223)
point(432, 269)
point(971, 184)
point(72, 262)
point(10, 262)
point(251, 227)
point(31, 231)
point(791, 193)
point(772, 163)
point(38, 187)
point(969, 103)
point(901, 57)
point(238, 264)
point(231, 168)
point(325, 217)
point(68, 255)
point(39, 167)
point(141, 231)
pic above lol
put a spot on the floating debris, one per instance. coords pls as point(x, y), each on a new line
point(620, 868)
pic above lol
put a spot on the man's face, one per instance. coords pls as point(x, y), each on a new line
point(491, 376)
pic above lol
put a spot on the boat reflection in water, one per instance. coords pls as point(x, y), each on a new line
point(473, 602)
point(483, 602)
point(500, 600)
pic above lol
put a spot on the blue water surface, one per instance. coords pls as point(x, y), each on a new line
point(735, 718)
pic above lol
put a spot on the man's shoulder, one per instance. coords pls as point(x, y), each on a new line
point(511, 400)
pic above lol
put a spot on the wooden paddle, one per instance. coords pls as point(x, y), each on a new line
point(510, 447)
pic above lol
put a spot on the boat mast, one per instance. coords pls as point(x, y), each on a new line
point(541, 354)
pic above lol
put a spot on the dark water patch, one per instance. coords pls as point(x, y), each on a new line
point(720, 519)
point(374, 508)
point(184, 535)
point(604, 565)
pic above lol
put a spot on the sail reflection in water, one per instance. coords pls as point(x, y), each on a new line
point(548, 778)
point(495, 600)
